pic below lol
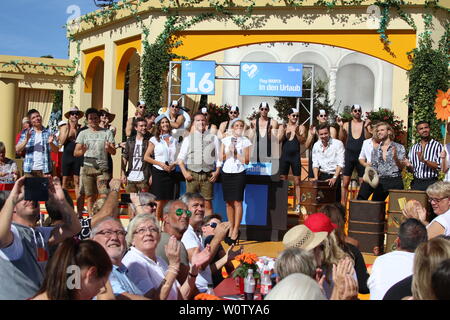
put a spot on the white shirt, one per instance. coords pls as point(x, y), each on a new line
point(444, 221)
point(38, 153)
point(164, 152)
point(192, 240)
point(136, 173)
point(233, 165)
point(185, 147)
point(366, 150)
point(327, 160)
point(387, 270)
point(147, 274)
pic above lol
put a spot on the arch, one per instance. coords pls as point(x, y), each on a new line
point(90, 73)
point(312, 57)
point(358, 58)
point(125, 50)
point(196, 44)
point(355, 83)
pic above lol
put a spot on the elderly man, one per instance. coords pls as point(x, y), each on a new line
point(23, 246)
point(328, 159)
point(192, 238)
point(200, 151)
point(110, 233)
point(37, 142)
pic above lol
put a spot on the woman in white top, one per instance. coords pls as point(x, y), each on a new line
point(439, 197)
point(235, 154)
point(161, 151)
point(149, 272)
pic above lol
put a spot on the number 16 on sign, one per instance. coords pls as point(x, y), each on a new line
point(197, 77)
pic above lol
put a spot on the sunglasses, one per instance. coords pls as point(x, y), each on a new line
point(322, 115)
point(357, 111)
point(179, 212)
point(177, 107)
point(150, 204)
point(212, 225)
point(264, 109)
point(73, 114)
point(295, 116)
point(233, 112)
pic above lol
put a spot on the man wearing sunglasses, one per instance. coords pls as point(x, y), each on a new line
point(265, 129)
point(353, 134)
point(143, 202)
point(224, 127)
point(140, 111)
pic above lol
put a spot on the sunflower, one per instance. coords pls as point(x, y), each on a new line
point(442, 105)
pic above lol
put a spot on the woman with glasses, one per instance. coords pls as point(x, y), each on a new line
point(235, 154)
point(150, 272)
point(140, 111)
point(161, 151)
point(224, 127)
point(439, 198)
point(292, 135)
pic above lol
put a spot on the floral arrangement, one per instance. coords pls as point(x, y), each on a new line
point(385, 115)
point(206, 296)
point(442, 105)
point(217, 114)
point(248, 261)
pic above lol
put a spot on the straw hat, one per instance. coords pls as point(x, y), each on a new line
point(301, 237)
point(74, 109)
point(371, 177)
point(110, 115)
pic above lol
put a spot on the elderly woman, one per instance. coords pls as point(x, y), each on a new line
point(439, 197)
point(150, 272)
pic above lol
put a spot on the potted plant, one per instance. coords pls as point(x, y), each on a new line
point(247, 261)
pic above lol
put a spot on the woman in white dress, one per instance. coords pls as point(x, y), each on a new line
point(235, 154)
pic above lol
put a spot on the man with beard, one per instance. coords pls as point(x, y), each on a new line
point(353, 134)
point(388, 159)
point(424, 158)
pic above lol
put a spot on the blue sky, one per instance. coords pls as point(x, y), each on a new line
point(34, 28)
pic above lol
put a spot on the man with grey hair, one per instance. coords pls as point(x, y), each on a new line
point(110, 233)
point(192, 238)
point(176, 221)
point(295, 260)
point(143, 202)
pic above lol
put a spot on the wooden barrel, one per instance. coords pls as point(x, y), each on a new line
point(395, 215)
point(366, 224)
point(313, 195)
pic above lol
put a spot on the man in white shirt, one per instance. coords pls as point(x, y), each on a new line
point(365, 159)
point(192, 238)
point(328, 159)
point(200, 152)
point(392, 267)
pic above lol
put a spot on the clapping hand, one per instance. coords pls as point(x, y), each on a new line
point(172, 249)
point(200, 258)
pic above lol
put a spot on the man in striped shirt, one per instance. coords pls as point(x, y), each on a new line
point(424, 158)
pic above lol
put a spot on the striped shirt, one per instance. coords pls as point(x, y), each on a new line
point(432, 153)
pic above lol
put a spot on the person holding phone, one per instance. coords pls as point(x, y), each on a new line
point(95, 143)
point(160, 152)
point(38, 142)
point(235, 154)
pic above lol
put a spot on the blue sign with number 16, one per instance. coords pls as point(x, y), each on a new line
point(197, 77)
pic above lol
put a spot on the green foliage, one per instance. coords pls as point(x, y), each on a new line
point(217, 114)
point(57, 101)
point(429, 73)
point(386, 115)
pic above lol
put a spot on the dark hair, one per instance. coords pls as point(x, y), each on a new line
point(91, 110)
point(3, 196)
point(138, 119)
point(422, 122)
point(323, 126)
point(30, 112)
point(336, 213)
point(412, 233)
point(440, 280)
point(156, 130)
point(72, 252)
point(53, 209)
point(150, 114)
point(199, 113)
point(207, 219)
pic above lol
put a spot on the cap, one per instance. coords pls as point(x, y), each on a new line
point(356, 107)
point(320, 222)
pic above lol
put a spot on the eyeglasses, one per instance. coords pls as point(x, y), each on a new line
point(436, 200)
point(264, 109)
point(179, 212)
point(233, 112)
point(150, 204)
point(109, 233)
point(142, 231)
point(212, 225)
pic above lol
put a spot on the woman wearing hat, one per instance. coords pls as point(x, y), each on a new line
point(71, 165)
point(161, 151)
point(235, 154)
point(292, 135)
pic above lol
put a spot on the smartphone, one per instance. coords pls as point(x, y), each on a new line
point(36, 189)
point(125, 198)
